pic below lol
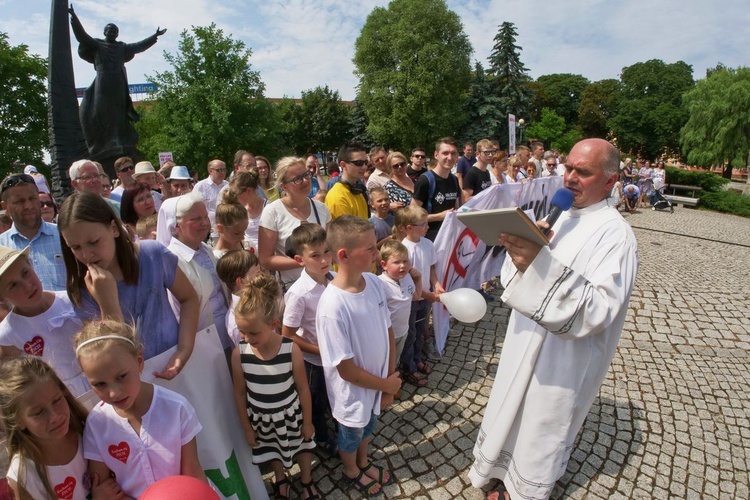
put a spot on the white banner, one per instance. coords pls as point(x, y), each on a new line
point(464, 261)
point(511, 134)
point(164, 158)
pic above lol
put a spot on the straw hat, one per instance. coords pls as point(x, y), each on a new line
point(8, 256)
point(143, 167)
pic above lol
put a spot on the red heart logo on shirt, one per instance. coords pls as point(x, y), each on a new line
point(66, 488)
point(35, 346)
point(120, 451)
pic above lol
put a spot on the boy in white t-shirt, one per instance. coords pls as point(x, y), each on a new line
point(357, 349)
point(308, 242)
point(403, 285)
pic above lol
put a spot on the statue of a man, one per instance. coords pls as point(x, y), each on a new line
point(106, 110)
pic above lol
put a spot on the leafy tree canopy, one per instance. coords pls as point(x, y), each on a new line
point(210, 104)
point(320, 122)
point(718, 128)
point(413, 62)
point(482, 111)
point(650, 114)
point(561, 93)
point(23, 106)
point(599, 102)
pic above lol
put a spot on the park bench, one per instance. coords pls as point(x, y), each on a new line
point(679, 200)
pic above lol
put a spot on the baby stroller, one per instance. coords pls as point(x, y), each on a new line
point(660, 202)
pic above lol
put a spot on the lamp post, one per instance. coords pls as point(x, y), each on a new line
point(521, 126)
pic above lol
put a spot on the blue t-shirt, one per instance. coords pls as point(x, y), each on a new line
point(145, 304)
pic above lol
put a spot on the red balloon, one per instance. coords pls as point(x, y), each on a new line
point(179, 488)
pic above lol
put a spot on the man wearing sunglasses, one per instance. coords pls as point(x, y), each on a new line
point(477, 179)
point(210, 189)
point(124, 168)
point(348, 196)
point(417, 167)
point(20, 199)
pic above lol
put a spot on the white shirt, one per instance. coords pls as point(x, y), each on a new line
point(399, 294)
point(341, 335)
point(49, 335)
point(301, 304)
point(210, 192)
point(67, 481)
point(140, 460)
point(422, 256)
point(276, 217)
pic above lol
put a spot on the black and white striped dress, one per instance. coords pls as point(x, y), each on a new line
point(273, 405)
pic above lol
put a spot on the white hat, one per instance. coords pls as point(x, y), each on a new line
point(143, 167)
point(8, 256)
point(179, 173)
point(30, 169)
point(41, 184)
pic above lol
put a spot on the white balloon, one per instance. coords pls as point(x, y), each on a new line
point(465, 304)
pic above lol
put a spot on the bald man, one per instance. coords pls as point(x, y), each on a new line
point(569, 302)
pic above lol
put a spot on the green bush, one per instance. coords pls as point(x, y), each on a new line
point(708, 181)
point(725, 201)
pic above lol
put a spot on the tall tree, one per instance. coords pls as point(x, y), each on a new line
point(509, 77)
point(599, 102)
point(210, 104)
point(323, 120)
point(483, 115)
point(23, 109)
point(412, 59)
point(358, 124)
point(650, 114)
point(718, 128)
point(561, 93)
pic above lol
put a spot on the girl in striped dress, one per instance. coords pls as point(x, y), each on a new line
point(270, 387)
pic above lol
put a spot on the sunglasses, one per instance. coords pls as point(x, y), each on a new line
point(358, 163)
point(398, 165)
point(48, 204)
point(16, 179)
point(126, 169)
point(418, 156)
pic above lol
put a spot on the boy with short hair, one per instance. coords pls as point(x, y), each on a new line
point(308, 242)
point(403, 285)
point(357, 349)
point(145, 228)
point(381, 218)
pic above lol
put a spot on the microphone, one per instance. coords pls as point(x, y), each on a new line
point(562, 200)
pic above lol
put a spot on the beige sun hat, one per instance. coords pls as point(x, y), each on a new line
point(143, 167)
point(8, 256)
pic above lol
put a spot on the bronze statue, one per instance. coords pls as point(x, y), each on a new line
point(106, 110)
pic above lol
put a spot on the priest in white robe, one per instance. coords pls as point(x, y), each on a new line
point(569, 302)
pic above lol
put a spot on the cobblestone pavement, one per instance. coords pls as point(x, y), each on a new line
point(671, 419)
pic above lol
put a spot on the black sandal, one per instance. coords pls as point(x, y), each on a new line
point(365, 489)
point(308, 488)
point(277, 489)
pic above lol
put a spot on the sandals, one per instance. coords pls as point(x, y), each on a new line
point(381, 473)
point(365, 489)
point(277, 489)
point(424, 368)
point(308, 488)
point(416, 379)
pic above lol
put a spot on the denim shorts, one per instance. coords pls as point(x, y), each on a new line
point(349, 438)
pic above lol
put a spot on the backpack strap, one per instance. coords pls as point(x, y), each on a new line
point(431, 190)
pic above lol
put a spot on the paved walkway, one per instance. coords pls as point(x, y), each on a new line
point(671, 420)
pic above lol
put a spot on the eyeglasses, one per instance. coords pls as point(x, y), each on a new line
point(16, 179)
point(398, 165)
point(418, 156)
point(489, 152)
point(300, 179)
point(220, 170)
point(90, 177)
point(357, 163)
point(49, 204)
point(126, 168)
point(551, 164)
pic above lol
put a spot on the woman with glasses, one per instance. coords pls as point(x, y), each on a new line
point(49, 207)
point(498, 168)
point(400, 187)
point(282, 216)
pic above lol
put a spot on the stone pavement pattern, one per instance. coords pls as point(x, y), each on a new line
point(671, 419)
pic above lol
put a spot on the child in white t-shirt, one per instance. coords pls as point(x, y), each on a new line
point(403, 285)
point(235, 269)
point(357, 349)
point(411, 222)
point(140, 432)
point(308, 243)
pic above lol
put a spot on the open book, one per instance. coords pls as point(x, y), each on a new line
point(488, 224)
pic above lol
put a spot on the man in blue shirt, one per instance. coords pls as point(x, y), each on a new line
point(20, 199)
point(465, 162)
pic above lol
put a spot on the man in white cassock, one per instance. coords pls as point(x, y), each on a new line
point(569, 302)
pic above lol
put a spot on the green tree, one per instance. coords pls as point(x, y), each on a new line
point(210, 104)
point(650, 114)
point(23, 105)
point(718, 128)
point(412, 59)
point(561, 93)
point(323, 121)
point(482, 110)
point(358, 125)
point(509, 78)
point(599, 102)
point(550, 127)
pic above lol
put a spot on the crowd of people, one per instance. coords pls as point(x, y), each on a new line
point(638, 184)
point(319, 292)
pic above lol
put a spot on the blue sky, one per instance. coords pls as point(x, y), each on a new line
point(300, 44)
